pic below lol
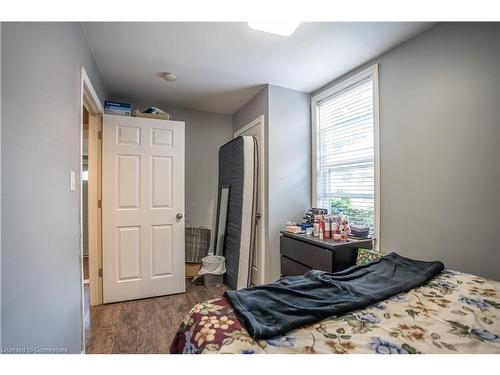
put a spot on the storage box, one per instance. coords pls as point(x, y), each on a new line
point(360, 231)
point(192, 269)
point(197, 244)
point(158, 116)
point(117, 108)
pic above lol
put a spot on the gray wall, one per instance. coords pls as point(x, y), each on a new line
point(258, 105)
point(41, 279)
point(289, 165)
point(255, 107)
point(288, 160)
point(205, 133)
point(440, 147)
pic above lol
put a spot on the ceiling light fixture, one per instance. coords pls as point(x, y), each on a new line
point(169, 77)
point(285, 28)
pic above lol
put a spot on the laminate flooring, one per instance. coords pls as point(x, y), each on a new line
point(142, 326)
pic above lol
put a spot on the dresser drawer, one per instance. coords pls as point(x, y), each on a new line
point(313, 256)
point(292, 268)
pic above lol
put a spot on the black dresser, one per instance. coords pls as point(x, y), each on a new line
point(301, 253)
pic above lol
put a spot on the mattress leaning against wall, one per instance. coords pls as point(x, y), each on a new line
point(238, 170)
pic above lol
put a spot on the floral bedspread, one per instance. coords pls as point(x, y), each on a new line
point(452, 313)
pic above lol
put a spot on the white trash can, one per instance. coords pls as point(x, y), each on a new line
point(213, 270)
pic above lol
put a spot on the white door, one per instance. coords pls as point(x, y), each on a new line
point(142, 208)
point(256, 129)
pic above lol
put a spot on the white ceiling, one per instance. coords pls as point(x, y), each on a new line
point(221, 65)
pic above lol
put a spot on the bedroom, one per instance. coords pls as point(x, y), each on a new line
point(424, 167)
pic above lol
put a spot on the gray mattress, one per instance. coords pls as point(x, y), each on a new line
point(238, 170)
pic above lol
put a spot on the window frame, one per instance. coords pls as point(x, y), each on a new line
point(370, 73)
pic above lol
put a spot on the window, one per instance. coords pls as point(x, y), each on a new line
point(345, 149)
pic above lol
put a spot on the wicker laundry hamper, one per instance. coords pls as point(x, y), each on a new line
point(197, 246)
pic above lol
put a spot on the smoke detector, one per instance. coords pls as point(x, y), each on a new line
point(169, 77)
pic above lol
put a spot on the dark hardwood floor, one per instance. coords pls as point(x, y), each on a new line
point(142, 326)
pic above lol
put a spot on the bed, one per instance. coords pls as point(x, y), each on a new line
point(452, 313)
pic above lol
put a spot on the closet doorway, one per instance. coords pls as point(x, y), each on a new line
point(256, 130)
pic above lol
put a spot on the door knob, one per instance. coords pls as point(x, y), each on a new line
point(178, 216)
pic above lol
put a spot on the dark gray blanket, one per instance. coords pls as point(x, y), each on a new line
point(291, 302)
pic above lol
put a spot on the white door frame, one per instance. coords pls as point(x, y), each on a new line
point(94, 211)
point(259, 121)
point(89, 98)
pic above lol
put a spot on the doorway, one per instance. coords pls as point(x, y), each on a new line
point(90, 198)
point(256, 130)
point(85, 216)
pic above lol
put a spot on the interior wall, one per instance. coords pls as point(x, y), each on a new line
point(440, 147)
point(289, 166)
point(257, 106)
point(288, 160)
point(40, 144)
point(206, 132)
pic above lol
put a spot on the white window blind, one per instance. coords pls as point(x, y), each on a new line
point(345, 153)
